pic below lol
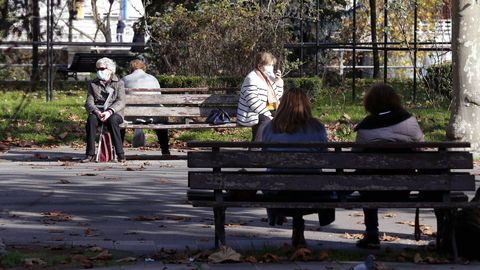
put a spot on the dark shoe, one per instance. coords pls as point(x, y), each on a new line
point(165, 153)
point(121, 159)
point(369, 243)
point(88, 159)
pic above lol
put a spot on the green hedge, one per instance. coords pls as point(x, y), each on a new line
point(312, 85)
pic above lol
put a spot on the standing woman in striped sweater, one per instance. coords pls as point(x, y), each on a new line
point(260, 94)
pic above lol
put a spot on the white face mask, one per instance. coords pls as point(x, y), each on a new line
point(103, 75)
point(268, 70)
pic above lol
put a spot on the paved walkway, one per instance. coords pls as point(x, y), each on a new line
point(49, 198)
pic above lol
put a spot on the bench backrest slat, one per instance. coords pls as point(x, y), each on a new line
point(149, 111)
point(187, 99)
point(329, 182)
point(172, 90)
point(331, 160)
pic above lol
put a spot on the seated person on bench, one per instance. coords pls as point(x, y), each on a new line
point(294, 123)
point(387, 121)
point(140, 79)
point(112, 114)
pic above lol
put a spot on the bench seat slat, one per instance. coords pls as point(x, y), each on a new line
point(329, 181)
point(331, 160)
point(154, 98)
point(149, 111)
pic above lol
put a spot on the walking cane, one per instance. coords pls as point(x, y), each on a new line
point(104, 107)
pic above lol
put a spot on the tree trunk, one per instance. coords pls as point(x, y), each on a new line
point(464, 120)
point(373, 27)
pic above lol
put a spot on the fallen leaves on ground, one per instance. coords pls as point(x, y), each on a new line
point(301, 254)
point(141, 168)
point(389, 238)
point(353, 236)
point(57, 216)
point(424, 229)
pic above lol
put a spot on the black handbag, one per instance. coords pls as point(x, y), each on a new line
point(218, 117)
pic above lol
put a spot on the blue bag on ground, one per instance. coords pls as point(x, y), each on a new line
point(218, 117)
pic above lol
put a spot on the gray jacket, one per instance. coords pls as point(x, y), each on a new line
point(97, 94)
point(140, 79)
point(405, 131)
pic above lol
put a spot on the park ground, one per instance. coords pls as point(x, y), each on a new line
point(119, 215)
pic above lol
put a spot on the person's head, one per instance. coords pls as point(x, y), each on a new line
point(265, 62)
point(382, 98)
point(294, 112)
point(137, 64)
point(105, 68)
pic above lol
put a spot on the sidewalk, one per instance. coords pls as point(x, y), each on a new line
point(49, 198)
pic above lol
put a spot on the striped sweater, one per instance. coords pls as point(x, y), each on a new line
point(253, 99)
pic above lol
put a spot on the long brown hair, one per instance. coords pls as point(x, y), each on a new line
point(294, 112)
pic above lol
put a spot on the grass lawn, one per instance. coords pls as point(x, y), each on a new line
point(27, 119)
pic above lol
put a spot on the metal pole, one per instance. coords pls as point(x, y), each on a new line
point(354, 57)
point(48, 50)
point(385, 40)
point(301, 37)
point(50, 54)
point(317, 36)
point(415, 49)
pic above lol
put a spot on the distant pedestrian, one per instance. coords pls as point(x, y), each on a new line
point(138, 38)
point(120, 28)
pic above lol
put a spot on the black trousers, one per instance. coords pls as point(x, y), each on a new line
point(112, 123)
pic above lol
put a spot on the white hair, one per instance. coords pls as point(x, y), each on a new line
point(107, 62)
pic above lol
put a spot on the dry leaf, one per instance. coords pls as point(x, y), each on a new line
point(57, 216)
point(250, 259)
point(104, 255)
point(63, 135)
point(95, 249)
point(63, 181)
point(224, 254)
point(389, 238)
point(410, 223)
point(30, 262)
point(88, 174)
point(127, 259)
point(301, 254)
point(389, 215)
point(270, 258)
point(417, 258)
point(353, 236)
point(356, 214)
point(322, 255)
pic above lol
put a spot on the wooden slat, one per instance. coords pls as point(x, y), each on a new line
point(144, 111)
point(186, 90)
point(180, 126)
point(169, 90)
point(328, 182)
point(397, 145)
point(348, 205)
point(331, 160)
point(187, 99)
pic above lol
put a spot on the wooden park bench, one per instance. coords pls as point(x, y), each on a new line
point(441, 167)
point(186, 108)
point(85, 62)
